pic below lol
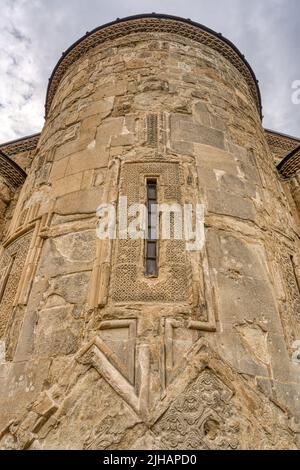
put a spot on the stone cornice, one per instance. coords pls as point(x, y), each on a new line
point(290, 165)
point(154, 23)
point(21, 145)
point(11, 172)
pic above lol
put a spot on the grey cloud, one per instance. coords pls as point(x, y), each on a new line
point(14, 62)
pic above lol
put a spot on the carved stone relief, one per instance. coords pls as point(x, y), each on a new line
point(152, 130)
point(209, 407)
point(125, 367)
point(124, 360)
point(285, 273)
point(17, 268)
point(11, 267)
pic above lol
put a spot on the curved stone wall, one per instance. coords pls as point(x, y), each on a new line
point(108, 357)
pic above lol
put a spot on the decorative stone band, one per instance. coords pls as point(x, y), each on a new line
point(281, 144)
point(21, 145)
point(290, 165)
point(154, 23)
point(13, 174)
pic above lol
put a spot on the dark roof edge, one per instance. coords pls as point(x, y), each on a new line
point(159, 16)
point(21, 139)
point(287, 158)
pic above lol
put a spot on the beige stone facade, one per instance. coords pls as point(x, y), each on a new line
point(93, 353)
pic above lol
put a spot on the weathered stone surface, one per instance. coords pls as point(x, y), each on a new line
point(93, 353)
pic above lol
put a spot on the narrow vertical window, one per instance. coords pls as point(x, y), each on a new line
point(151, 245)
point(295, 272)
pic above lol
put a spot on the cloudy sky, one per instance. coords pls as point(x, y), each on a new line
point(34, 33)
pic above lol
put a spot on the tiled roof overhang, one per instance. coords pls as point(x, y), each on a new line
point(154, 23)
point(281, 144)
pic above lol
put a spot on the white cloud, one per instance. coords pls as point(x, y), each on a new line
point(34, 33)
